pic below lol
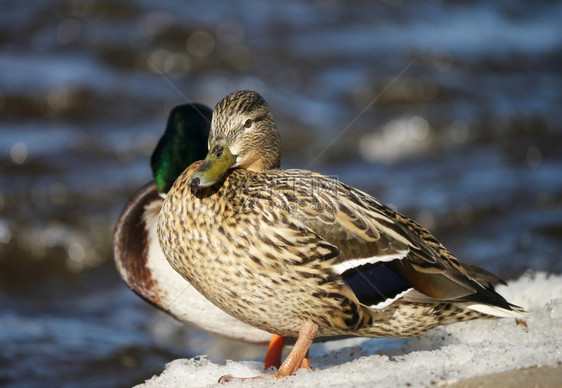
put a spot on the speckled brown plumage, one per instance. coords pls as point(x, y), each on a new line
point(299, 254)
point(262, 245)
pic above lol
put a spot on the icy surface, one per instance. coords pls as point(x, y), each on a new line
point(445, 355)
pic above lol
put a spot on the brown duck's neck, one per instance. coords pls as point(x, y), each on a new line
point(259, 163)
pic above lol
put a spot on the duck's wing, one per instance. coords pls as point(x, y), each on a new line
point(384, 256)
point(130, 242)
point(482, 276)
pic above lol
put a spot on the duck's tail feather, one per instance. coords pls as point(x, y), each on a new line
point(496, 311)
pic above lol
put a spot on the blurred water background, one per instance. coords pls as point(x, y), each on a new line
point(449, 111)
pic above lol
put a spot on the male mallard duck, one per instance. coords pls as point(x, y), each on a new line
point(299, 254)
point(137, 253)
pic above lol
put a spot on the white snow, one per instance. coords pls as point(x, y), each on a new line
point(444, 355)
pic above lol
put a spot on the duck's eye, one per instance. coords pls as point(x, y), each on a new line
point(248, 123)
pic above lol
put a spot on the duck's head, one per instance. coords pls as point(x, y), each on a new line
point(183, 143)
point(243, 135)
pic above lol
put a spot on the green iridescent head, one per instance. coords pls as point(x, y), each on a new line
point(183, 142)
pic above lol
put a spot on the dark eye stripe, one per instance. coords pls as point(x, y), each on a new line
point(259, 118)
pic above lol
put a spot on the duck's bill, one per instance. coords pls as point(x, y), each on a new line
point(214, 167)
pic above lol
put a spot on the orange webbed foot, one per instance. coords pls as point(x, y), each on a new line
point(297, 359)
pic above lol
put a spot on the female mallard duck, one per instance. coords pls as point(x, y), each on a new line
point(137, 253)
point(299, 254)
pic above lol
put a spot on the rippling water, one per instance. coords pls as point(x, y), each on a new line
point(449, 111)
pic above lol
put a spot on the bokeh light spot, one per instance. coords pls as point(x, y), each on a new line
point(459, 131)
point(200, 44)
point(68, 30)
point(5, 233)
point(534, 157)
point(19, 153)
point(230, 33)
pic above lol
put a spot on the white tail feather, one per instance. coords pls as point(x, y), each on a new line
point(495, 310)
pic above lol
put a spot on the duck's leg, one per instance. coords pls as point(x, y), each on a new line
point(298, 358)
point(273, 356)
point(306, 362)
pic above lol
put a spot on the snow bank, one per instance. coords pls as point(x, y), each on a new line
point(445, 355)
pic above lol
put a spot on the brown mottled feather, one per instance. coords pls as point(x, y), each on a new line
point(260, 214)
point(271, 247)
